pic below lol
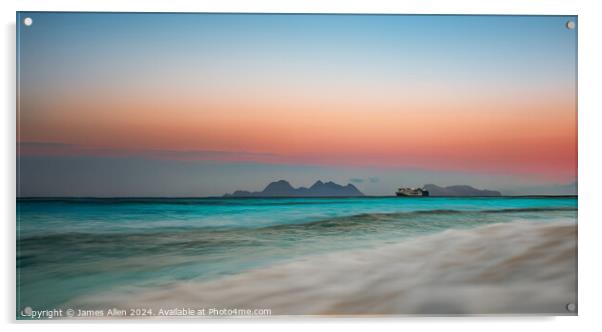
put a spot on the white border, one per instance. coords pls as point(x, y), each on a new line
point(590, 143)
point(323, 6)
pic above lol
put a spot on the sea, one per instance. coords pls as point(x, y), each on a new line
point(306, 256)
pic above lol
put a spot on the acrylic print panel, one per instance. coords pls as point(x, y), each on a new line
point(269, 164)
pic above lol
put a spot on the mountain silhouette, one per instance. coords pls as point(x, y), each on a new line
point(459, 190)
point(282, 188)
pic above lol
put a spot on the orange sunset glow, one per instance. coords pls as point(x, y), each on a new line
point(426, 103)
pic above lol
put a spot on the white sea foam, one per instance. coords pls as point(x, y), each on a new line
point(517, 267)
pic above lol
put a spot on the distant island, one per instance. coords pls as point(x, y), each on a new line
point(282, 188)
point(459, 190)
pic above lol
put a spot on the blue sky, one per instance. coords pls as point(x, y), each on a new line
point(296, 97)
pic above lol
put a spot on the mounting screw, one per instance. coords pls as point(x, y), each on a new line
point(27, 311)
point(570, 25)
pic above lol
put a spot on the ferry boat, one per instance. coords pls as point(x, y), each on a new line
point(414, 192)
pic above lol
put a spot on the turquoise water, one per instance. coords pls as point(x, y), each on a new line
point(68, 248)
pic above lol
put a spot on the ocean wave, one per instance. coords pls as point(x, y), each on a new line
point(413, 217)
point(516, 267)
point(419, 215)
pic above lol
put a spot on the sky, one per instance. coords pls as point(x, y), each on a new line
point(118, 104)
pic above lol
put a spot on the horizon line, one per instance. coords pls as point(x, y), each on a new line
point(286, 197)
